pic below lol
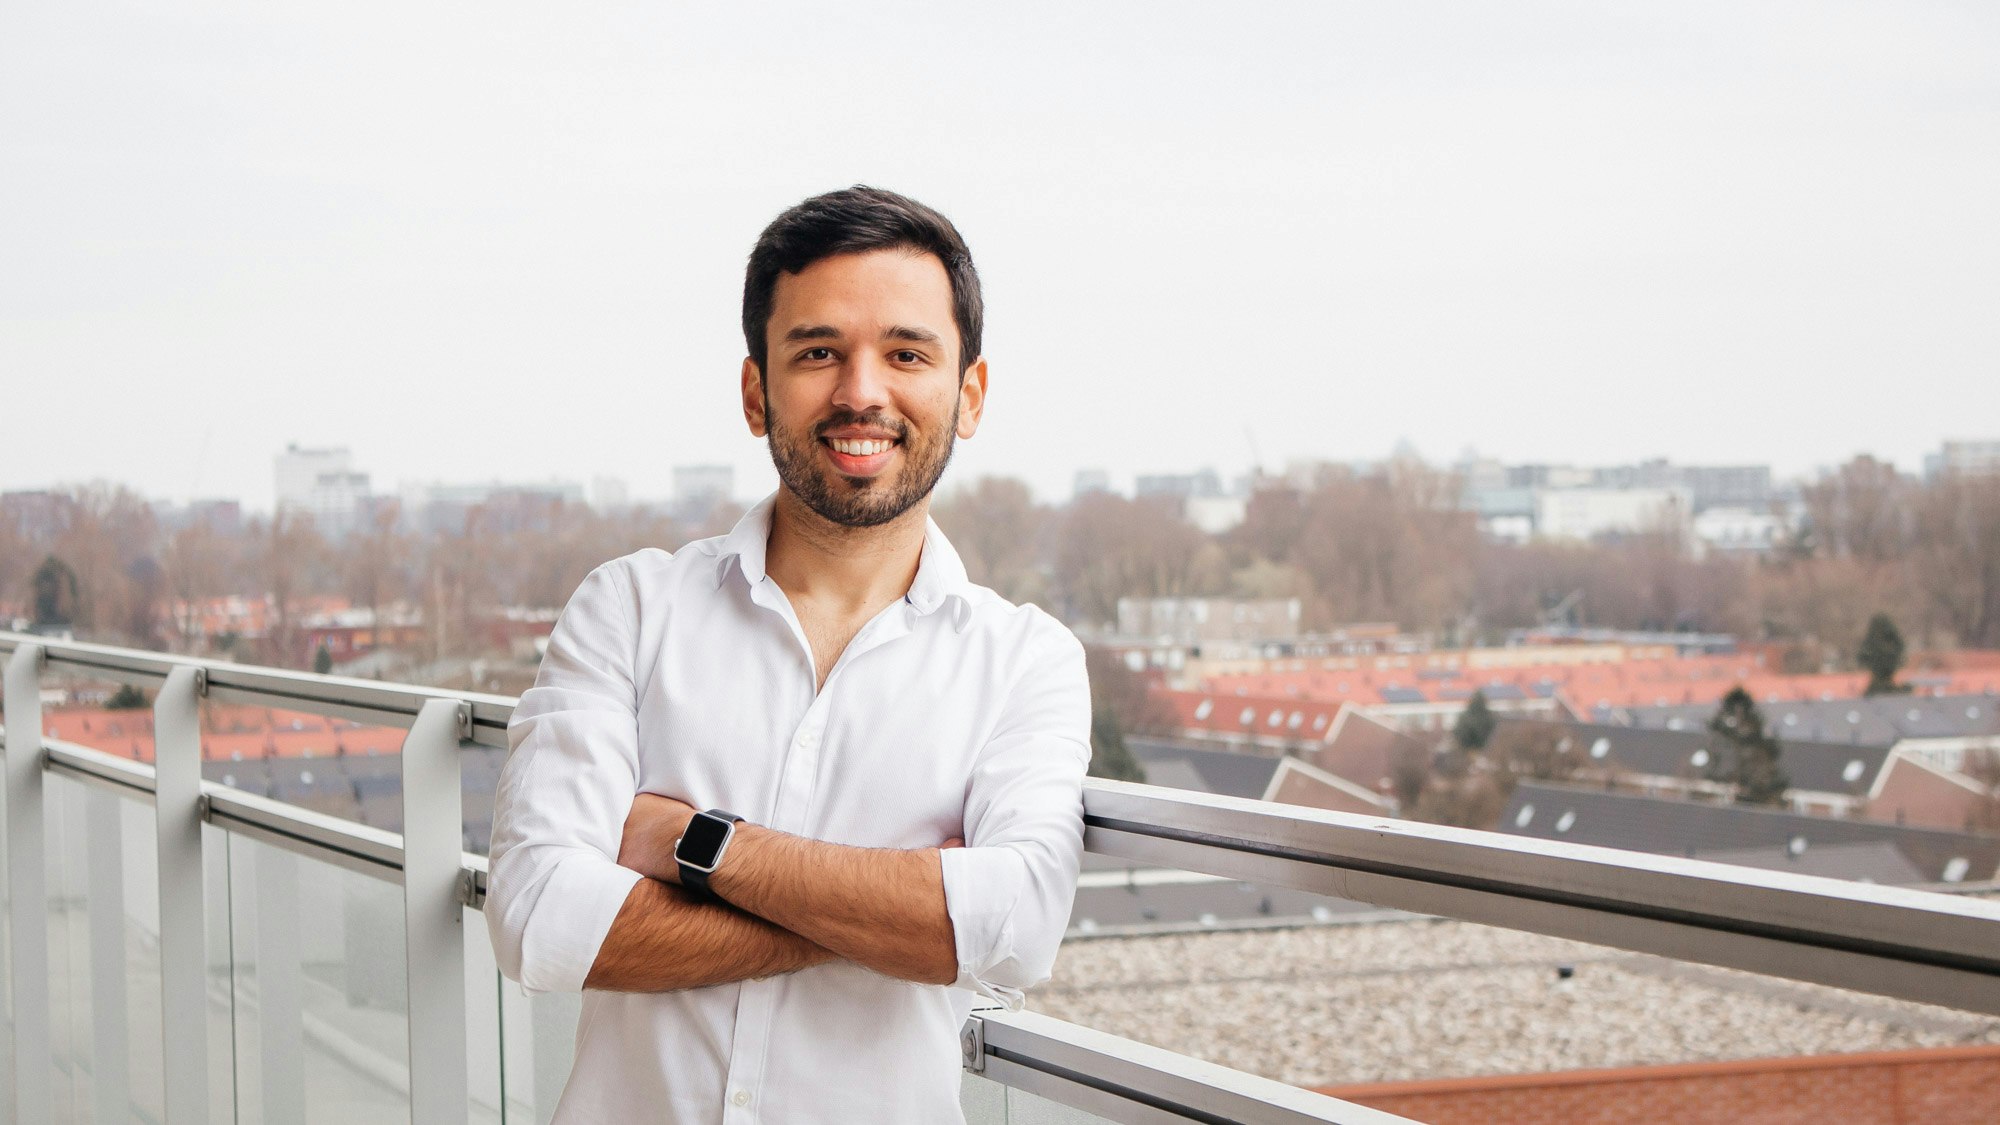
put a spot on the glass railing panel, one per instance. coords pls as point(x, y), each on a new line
point(539, 1044)
point(320, 990)
point(104, 969)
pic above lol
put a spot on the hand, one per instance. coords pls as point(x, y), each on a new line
point(652, 828)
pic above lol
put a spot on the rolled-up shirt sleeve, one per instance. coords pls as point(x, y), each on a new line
point(1010, 889)
point(554, 884)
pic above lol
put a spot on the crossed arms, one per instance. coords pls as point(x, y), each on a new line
point(802, 902)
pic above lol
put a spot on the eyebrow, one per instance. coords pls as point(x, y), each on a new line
point(913, 335)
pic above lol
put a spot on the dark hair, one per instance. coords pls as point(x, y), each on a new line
point(851, 221)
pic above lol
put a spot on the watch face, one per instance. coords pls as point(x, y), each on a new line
point(701, 842)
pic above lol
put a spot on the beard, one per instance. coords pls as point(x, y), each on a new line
point(858, 501)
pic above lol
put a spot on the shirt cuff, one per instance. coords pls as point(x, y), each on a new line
point(562, 944)
point(980, 887)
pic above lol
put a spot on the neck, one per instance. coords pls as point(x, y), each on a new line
point(814, 559)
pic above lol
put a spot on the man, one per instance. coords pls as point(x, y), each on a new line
point(826, 672)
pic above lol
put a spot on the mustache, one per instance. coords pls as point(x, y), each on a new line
point(874, 419)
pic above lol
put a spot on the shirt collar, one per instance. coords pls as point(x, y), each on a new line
point(940, 576)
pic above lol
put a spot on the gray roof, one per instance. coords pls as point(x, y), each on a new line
point(1704, 831)
point(1824, 767)
point(1881, 720)
point(1202, 769)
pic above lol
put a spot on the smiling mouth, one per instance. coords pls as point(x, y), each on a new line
point(859, 458)
point(860, 448)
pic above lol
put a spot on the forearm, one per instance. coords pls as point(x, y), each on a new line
point(665, 939)
point(881, 908)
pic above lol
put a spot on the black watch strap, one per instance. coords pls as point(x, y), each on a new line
point(694, 878)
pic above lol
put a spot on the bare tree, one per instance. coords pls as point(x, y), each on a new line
point(1957, 555)
point(997, 529)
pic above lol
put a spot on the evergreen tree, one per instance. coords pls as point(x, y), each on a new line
point(1881, 653)
point(322, 660)
point(126, 698)
point(55, 593)
point(1752, 764)
point(1475, 723)
point(1109, 756)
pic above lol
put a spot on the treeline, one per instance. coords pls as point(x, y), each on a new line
point(1389, 544)
point(108, 569)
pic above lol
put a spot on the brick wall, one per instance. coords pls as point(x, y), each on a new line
point(1941, 1086)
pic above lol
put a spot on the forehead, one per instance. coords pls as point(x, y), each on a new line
point(865, 293)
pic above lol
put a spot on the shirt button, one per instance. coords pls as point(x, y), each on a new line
point(741, 1097)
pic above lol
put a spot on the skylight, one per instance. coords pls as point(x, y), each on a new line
point(1525, 817)
point(1853, 771)
point(1699, 758)
point(1955, 869)
point(1566, 821)
point(1600, 748)
point(1203, 709)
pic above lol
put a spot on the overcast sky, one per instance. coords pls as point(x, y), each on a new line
point(506, 240)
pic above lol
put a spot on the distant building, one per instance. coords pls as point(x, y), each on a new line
point(700, 489)
point(1216, 514)
point(223, 518)
point(609, 494)
point(1202, 483)
point(323, 484)
point(1194, 621)
point(1588, 513)
point(1963, 457)
point(496, 506)
point(1089, 481)
point(1734, 530)
point(35, 513)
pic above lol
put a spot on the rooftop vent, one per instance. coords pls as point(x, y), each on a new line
point(1795, 847)
point(1852, 772)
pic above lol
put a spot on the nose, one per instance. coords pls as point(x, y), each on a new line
point(864, 383)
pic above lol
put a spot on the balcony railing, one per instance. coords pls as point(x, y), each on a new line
point(298, 959)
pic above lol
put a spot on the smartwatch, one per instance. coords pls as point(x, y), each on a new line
point(700, 848)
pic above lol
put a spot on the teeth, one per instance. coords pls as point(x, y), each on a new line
point(858, 448)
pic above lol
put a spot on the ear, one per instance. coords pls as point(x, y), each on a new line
point(971, 398)
point(753, 397)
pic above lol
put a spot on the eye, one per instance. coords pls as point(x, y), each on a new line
point(816, 355)
point(909, 357)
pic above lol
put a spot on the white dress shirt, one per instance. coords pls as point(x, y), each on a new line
point(951, 713)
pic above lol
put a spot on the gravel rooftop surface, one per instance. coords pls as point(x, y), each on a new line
point(1401, 1000)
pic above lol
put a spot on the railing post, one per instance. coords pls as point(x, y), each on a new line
point(433, 926)
point(27, 890)
point(183, 933)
